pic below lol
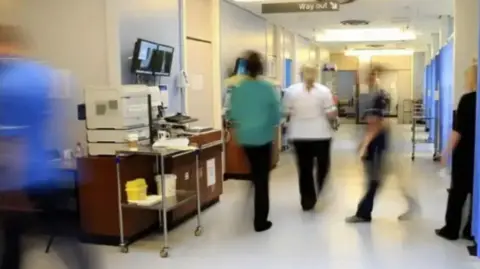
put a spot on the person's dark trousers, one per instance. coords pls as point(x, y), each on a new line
point(12, 245)
point(467, 230)
point(309, 153)
point(453, 218)
point(260, 158)
point(373, 170)
point(48, 203)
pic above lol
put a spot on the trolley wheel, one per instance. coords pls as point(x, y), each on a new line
point(124, 249)
point(164, 252)
point(199, 231)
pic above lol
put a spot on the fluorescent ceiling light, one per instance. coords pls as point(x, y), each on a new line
point(365, 35)
point(248, 1)
point(389, 52)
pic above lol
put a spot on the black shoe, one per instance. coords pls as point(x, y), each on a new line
point(263, 227)
point(309, 205)
point(443, 233)
point(308, 208)
point(356, 219)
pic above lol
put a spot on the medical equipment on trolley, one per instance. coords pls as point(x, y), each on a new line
point(114, 114)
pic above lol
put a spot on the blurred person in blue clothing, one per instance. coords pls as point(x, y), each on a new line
point(25, 165)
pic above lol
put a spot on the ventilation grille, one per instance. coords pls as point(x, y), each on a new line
point(375, 46)
point(355, 22)
point(400, 20)
point(343, 2)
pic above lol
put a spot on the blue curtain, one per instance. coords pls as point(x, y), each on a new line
point(433, 103)
point(288, 73)
point(425, 89)
point(446, 93)
point(428, 95)
point(441, 101)
point(441, 92)
point(476, 185)
point(426, 98)
point(438, 120)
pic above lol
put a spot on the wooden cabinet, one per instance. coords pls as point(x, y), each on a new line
point(98, 193)
point(236, 163)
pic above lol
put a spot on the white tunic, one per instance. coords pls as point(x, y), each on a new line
point(308, 112)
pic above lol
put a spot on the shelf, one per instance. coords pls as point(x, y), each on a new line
point(148, 150)
point(180, 123)
point(422, 141)
point(172, 202)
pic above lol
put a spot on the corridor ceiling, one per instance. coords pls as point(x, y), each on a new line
point(420, 16)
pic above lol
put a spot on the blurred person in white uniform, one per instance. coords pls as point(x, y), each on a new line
point(310, 108)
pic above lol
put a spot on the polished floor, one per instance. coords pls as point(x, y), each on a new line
point(319, 239)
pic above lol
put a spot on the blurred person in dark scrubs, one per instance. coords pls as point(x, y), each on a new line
point(25, 164)
point(374, 152)
point(461, 148)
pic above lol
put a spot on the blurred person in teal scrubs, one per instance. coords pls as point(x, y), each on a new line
point(255, 112)
point(25, 164)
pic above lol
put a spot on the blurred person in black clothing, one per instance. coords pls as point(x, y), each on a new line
point(25, 162)
point(461, 148)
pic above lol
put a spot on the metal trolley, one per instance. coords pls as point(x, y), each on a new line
point(167, 203)
point(415, 140)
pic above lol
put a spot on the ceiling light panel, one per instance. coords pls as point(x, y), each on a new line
point(365, 35)
point(387, 52)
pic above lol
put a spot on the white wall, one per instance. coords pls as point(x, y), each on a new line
point(8, 11)
point(302, 55)
point(158, 21)
point(69, 35)
point(271, 42)
point(418, 67)
point(465, 46)
point(201, 53)
point(240, 30)
point(93, 40)
point(323, 57)
point(289, 45)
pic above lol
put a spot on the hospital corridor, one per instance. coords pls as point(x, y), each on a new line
point(199, 134)
point(318, 239)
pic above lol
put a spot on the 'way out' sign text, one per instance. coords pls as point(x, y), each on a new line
point(300, 7)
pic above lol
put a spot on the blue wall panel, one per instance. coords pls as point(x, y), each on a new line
point(476, 185)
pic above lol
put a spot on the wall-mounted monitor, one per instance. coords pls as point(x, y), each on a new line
point(240, 67)
point(143, 56)
point(162, 60)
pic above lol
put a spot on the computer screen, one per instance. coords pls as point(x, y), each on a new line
point(240, 67)
point(162, 60)
point(143, 56)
